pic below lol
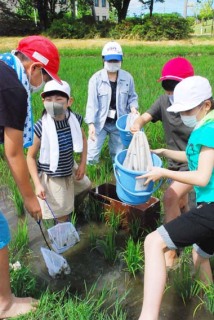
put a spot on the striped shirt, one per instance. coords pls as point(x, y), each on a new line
point(66, 159)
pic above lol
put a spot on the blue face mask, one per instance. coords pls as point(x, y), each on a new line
point(189, 121)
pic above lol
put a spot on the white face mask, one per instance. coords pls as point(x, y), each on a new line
point(39, 87)
point(189, 121)
point(171, 98)
point(112, 66)
point(54, 109)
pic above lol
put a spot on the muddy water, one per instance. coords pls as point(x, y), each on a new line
point(88, 266)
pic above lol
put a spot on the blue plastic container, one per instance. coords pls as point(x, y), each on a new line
point(126, 181)
point(125, 135)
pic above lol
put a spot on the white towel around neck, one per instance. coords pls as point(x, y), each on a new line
point(49, 150)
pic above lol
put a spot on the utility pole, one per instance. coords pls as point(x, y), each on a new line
point(185, 8)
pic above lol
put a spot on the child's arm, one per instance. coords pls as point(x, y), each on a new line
point(179, 156)
point(140, 122)
point(199, 177)
point(81, 168)
point(32, 167)
point(13, 146)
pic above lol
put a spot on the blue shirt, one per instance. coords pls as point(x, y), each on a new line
point(203, 136)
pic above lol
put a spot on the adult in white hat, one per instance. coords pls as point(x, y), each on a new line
point(193, 100)
point(25, 70)
point(111, 94)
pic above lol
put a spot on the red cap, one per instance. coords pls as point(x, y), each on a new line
point(177, 69)
point(41, 49)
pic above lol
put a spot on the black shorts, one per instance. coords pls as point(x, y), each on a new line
point(194, 227)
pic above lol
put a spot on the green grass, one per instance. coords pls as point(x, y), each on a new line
point(93, 306)
point(20, 241)
point(133, 256)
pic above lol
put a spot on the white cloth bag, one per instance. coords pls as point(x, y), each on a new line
point(138, 157)
point(130, 120)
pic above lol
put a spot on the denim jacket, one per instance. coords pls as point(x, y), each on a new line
point(99, 97)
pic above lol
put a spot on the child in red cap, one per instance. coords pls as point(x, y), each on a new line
point(25, 70)
point(176, 134)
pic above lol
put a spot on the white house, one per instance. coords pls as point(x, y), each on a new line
point(101, 9)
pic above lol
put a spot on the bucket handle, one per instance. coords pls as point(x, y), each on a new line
point(134, 194)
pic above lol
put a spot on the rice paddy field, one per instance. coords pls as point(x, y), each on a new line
point(79, 60)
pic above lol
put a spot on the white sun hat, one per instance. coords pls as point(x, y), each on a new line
point(56, 86)
point(112, 51)
point(189, 93)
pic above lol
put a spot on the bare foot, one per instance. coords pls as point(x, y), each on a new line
point(171, 258)
point(18, 306)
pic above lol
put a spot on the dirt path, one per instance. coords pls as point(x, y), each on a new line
point(8, 43)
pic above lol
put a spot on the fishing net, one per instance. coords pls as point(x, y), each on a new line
point(56, 264)
point(63, 236)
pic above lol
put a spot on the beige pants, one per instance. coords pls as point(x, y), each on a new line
point(60, 193)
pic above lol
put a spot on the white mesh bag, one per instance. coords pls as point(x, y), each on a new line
point(56, 264)
point(63, 236)
point(138, 158)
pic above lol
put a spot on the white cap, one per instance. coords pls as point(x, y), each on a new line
point(53, 85)
point(189, 93)
point(112, 51)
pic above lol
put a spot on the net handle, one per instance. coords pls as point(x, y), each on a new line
point(39, 223)
point(55, 218)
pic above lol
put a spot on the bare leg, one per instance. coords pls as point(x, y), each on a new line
point(11, 306)
point(175, 200)
point(202, 265)
point(66, 218)
point(154, 276)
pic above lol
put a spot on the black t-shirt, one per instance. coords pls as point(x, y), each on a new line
point(13, 100)
point(113, 94)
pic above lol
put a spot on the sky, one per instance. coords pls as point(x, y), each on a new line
point(168, 6)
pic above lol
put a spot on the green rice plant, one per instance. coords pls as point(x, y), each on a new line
point(95, 211)
point(133, 256)
point(74, 218)
point(113, 219)
point(92, 237)
point(108, 246)
point(208, 297)
point(134, 227)
point(184, 285)
point(93, 306)
point(23, 283)
point(20, 240)
point(17, 200)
